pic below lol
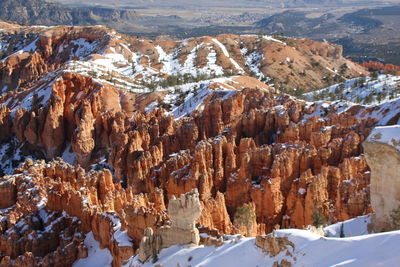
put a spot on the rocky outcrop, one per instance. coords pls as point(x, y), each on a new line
point(149, 245)
point(183, 211)
point(44, 50)
point(273, 245)
point(215, 216)
point(82, 141)
point(382, 151)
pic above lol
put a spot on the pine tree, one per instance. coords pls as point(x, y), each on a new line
point(318, 216)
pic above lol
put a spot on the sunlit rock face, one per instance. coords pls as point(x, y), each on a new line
point(382, 151)
point(183, 211)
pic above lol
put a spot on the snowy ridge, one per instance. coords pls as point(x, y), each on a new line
point(125, 70)
point(83, 48)
point(192, 96)
point(188, 66)
point(212, 62)
point(3, 46)
point(384, 113)
point(10, 156)
point(171, 65)
point(37, 95)
point(192, 102)
point(253, 63)
point(170, 62)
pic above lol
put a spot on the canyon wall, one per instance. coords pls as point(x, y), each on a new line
point(257, 159)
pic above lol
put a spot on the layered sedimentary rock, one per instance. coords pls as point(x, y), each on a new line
point(382, 151)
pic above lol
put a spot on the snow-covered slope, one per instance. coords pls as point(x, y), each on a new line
point(236, 252)
point(363, 90)
point(309, 250)
point(193, 95)
point(353, 227)
point(358, 248)
point(385, 113)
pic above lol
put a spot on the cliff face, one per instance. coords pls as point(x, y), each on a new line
point(383, 156)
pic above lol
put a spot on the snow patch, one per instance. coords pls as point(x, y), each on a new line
point(68, 155)
point(121, 237)
point(302, 191)
point(270, 38)
point(97, 257)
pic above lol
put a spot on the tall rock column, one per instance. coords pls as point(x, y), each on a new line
point(382, 152)
point(53, 134)
point(82, 140)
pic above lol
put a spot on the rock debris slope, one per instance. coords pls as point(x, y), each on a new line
point(125, 124)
